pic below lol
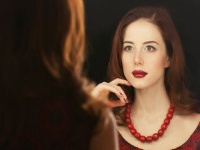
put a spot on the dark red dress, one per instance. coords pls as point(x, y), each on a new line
point(193, 143)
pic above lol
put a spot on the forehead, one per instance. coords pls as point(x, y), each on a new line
point(142, 29)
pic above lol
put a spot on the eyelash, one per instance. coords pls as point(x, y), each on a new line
point(149, 48)
point(152, 48)
point(127, 48)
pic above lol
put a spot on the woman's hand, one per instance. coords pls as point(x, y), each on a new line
point(103, 89)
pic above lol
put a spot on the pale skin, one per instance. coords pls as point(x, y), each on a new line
point(144, 49)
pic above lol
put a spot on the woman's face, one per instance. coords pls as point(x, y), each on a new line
point(144, 56)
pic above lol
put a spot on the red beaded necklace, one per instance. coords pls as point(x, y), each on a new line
point(153, 137)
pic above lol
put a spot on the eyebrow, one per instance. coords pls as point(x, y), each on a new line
point(128, 42)
point(147, 42)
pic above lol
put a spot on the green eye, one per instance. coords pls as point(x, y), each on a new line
point(127, 48)
point(150, 48)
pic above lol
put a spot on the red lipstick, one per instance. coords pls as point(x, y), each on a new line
point(139, 73)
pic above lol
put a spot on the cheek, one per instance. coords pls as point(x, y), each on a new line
point(126, 63)
point(160, 62)
point(127, 69)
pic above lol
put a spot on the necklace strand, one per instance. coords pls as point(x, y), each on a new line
point(153, 137)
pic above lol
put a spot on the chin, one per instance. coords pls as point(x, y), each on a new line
point(139, 87)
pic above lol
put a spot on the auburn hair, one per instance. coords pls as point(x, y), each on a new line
point(174, 75)
point(41, 38)
point(42, 50)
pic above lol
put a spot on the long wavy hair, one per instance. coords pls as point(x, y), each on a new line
point(42, 51)
point(175, 77)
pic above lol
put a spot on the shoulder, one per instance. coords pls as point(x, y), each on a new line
point(106, 137)
point(188, 123)
point(195, 117)
point(188, 118)
point(107, 123)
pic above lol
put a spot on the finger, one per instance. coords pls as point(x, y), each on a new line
point(117, 90)
point(111, 88)
point(115, 103)
point(103, 87)
point(122, 93)
point(102, 90)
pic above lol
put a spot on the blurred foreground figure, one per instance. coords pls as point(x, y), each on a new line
point(44, 98)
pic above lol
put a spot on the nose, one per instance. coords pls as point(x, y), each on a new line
point(138, 60)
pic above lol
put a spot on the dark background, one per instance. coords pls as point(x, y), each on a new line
point(102, 17)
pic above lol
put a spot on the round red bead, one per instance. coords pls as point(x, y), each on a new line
point(133, 131)
point(155, 136)
point(127, 115)
point(167, 121)
point(128, 110)
point(128, 120)
point(169, 115)
point(149, 138)
point(160, 132)
point(130, 126)
point(137, 135)
point(164, 126)
point(171, 110)
point(142, 138)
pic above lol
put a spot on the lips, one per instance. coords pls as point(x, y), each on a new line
point(139, 73)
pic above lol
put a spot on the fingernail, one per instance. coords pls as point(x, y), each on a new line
point(126, 100)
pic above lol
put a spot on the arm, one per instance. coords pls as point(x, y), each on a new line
point(106, 138)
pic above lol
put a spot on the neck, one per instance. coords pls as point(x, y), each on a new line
point(149, 101)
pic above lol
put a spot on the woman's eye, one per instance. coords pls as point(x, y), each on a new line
point(150, 48)
point(127, 48)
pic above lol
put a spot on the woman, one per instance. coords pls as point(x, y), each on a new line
point(45, 101)
point(147, 72)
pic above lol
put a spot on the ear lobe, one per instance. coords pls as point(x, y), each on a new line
point(167, 63)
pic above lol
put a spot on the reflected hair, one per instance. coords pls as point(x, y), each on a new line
point(174, 75)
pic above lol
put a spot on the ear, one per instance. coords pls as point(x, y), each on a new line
point(167, 62)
